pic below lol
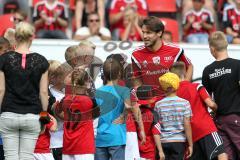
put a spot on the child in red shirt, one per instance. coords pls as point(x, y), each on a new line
point(151, 125)
point(42, 149)
point(207, 142)
point(78, 136)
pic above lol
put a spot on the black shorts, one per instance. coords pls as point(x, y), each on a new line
point(208, 147)
point(57, 153)
point(174, 150)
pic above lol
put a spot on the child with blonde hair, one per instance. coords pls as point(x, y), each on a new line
point(175, 114)
point(78, 109)
point(57, 74)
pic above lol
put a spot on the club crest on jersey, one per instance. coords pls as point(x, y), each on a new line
point(156, 60)
point(145, 63)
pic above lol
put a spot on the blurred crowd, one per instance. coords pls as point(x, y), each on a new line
point(188, 21)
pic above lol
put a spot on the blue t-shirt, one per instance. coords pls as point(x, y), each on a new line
point(111, 99)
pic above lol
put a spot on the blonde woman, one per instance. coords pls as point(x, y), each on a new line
point(23, 95)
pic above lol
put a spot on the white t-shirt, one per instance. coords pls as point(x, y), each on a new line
point(84, 31)
point(56, 140)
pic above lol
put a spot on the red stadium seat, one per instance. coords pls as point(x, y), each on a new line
point(7, 20)
point(171, 25)
point(161, 5)
point(72, 4)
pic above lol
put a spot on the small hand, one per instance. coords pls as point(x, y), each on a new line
point(119, 120)
point(161, 155)
point(189, 151)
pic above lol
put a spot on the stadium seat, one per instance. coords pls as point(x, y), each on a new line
point(171, 25)
point(72, 4)
point(161, 5)
point(8, 23)
point(10, 7)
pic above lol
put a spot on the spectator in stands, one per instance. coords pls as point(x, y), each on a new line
point(231, 22)
point(85, 7)
point(117, 10)
point(50, 19)
point(19, 16)
point(220, 7)
point(197, 23)
point(10, 6)
point(5, 45)
point(10, 36)
point(131, 30)
point(93, 31)
point(188, 4)
point(167, 37)
point(26, 74)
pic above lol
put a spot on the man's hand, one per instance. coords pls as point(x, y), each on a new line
point(142, 137)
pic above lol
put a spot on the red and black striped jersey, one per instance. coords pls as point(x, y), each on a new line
point(231, 18)
point(43, 8)
point(203, 15)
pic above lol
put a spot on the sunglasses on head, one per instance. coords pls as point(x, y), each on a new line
point(94, 20)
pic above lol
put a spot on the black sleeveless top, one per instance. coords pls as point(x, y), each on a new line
point(85, 14)
point(22, 84)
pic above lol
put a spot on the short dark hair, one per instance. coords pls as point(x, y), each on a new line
point(153, 23)
point(92, 13)
point(167, 32)
point(111, 69)
point(179, 68)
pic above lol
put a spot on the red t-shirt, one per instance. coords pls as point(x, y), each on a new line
point(149, 66)
point(43, 7)
point(151, 127)
point(201, 122)
point(203, 15)
point(119, 5)
point(43, 142)
point(78, 135)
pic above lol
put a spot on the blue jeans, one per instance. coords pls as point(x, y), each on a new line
point(105, 153)
point(198, 38)
point(55, 34)
point(19, 134)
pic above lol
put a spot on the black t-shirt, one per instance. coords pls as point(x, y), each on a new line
point(222, 78)
point(22, 85)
